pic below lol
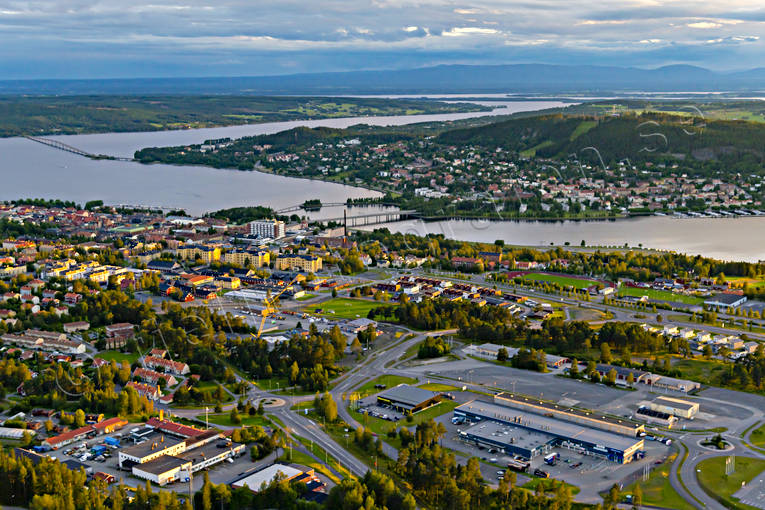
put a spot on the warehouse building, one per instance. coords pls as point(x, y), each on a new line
point(675, 407)
point(152, 449)
point(524, 433)
point(408, 399)
point(292, 473)
point(580, 416)
point(163, 470)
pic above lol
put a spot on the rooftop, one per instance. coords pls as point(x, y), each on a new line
point(154, 443)
point(163, 464)
point(570, 410)
point(500, 432)
point(405, 394)
point(550, 426)
point(257, 479)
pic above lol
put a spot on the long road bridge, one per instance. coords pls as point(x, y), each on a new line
point(74, 150)
point(300, 207)
point(373, 218)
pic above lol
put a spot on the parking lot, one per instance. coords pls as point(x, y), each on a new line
point(378, 411)
point(223, 472)
point(591, 474)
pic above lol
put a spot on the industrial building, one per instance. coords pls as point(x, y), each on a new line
point(163, 470)
point(675, 407)
point(528, 434)
point(255, 481)
point(656, 417)
point(580, 416)
point(408, 399)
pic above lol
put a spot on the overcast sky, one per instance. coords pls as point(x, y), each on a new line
point(139, 38)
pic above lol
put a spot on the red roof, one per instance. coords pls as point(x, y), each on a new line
point(116, 421)
point(174, 428)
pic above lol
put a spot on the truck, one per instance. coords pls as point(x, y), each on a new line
point(552, 459)
point(518, 465)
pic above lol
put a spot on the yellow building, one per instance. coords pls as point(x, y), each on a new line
point(307, 263)
point(241, 258)
point(229, 282)
point(206, 253)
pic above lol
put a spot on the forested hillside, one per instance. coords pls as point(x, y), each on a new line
point(638, 137)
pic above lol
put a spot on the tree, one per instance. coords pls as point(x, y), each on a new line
point(637, 496)
point(234, 416)
point(611, 376)
point(502, 354)
point(79, 418)
point(294, 373)
point(356, 347)
point(605, 353)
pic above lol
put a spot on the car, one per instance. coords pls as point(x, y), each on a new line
point(500, 477)
point(541, 474)
point(574, 466)
point(493, 459)
point(500, 472)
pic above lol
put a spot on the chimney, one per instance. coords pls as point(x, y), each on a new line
point(161, 414)
point(345, 222)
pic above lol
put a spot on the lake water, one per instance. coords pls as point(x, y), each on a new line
point(32, 170)
point(723, 238)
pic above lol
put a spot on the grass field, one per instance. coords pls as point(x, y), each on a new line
point(344, 308)
point(564, 281)
point(712, 477)
point(757, 437)
point(438, 387)
point(658, 491)
point(119, 357)
point(388, 380)
point(700, 369)
point(660, 295)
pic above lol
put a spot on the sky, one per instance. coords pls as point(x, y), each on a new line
point(155, 38)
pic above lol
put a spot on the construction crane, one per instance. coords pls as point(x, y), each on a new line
point(270, 306)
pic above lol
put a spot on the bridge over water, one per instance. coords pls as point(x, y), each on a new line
point(373, 218)
point(74, 150)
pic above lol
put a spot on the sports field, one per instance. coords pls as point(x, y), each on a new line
point(565, 281)
point(660, 295)
point(344, 308)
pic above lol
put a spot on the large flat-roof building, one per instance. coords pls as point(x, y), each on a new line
point(408, 399)
point(163, 470)
point(580, 416)
point(675, 407)
point(521, 432)
point(725, 301)
point(255, 481)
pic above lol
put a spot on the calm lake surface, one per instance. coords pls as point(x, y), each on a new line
point(723, 238)
point(33, 170)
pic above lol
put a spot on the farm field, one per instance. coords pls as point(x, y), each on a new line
point(344, 308)
point(660, 295)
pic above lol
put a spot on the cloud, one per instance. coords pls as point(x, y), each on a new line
point(703, 25)
point(272, 36)
point(465, 31)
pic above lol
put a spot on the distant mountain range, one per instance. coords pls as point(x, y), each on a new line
point(442, 79)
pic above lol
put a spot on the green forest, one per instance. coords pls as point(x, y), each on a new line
point(103, 114)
